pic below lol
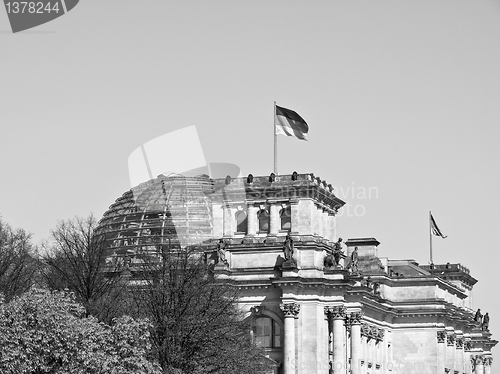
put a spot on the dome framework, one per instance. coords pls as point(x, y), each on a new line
point(169, 212)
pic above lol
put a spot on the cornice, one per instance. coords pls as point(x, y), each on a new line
point(311, 282)
point(372, 332)
point(258, 244)
point(415, 281)
point(282, 188)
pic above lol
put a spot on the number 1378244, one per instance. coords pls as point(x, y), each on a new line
point(31, 7)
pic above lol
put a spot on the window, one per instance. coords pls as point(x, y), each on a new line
point(263, 216)
point(241, 221)
point(286, 218)
point(267, 333)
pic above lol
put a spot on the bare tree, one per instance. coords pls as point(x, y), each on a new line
point(196, 325)
point(75, 259)
point(18, 261)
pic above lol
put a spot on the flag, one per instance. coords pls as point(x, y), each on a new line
point(435, 230)
point(287, 122)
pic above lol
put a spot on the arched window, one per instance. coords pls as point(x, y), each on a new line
point(267, 333)
point(286, 218)
point(241, 221)
point(263, 217)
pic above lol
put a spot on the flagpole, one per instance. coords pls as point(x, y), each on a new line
point(275, 143)
point(430, 233)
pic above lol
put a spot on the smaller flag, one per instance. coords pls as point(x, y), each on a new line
point(435, 230)
point(289, 123)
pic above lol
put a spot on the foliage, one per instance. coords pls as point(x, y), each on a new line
point(18, 263)
point(75, 260)
point(196, 326)
point(46, 332)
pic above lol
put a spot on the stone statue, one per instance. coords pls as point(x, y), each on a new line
point(221, 252)
point(337, 251)
point(486, 322)
point(354, 261)
point(369, 282)
point(288, 248)
point(478, 316)
point(228, 179)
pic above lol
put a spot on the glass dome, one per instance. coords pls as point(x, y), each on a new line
point(168, 212)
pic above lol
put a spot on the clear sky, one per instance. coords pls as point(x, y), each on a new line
point(400, 96)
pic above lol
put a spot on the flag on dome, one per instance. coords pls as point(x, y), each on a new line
point(289, 123)
point(435, 230)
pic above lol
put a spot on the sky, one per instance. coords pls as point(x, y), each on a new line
point(401, 98)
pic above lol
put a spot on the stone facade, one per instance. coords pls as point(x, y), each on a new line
point(313, 309)
point(391, 316)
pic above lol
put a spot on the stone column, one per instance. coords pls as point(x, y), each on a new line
point(450, 352)
point(333, 225)
point(371, 354)
point(441, 351)
point(294, 217)
point(356, 342)
point(228, 229)
point(487, 361)
point(290, 311)
point(252, 220)
point(365, 338)
point(337, 316)
point(467, 356)
point(324, 219)
point(381, 350)
point(274, 219)
point(329, 336)
point(385, 360)
point(459, 353)
point(316, 225)
point(477, 364)
point(387, 356)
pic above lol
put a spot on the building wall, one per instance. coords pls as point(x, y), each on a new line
point(415, 350)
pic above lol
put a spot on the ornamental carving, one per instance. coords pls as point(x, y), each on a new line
point(450, 339)
point(441, 336)
point(290, 309)
point(365, 329)
point(372, 332)
point(381, 334)
point(476, 360)
point(487, 361)
point(336, 312)
point(355, 317)
point(467, 345)
point(459, 343)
